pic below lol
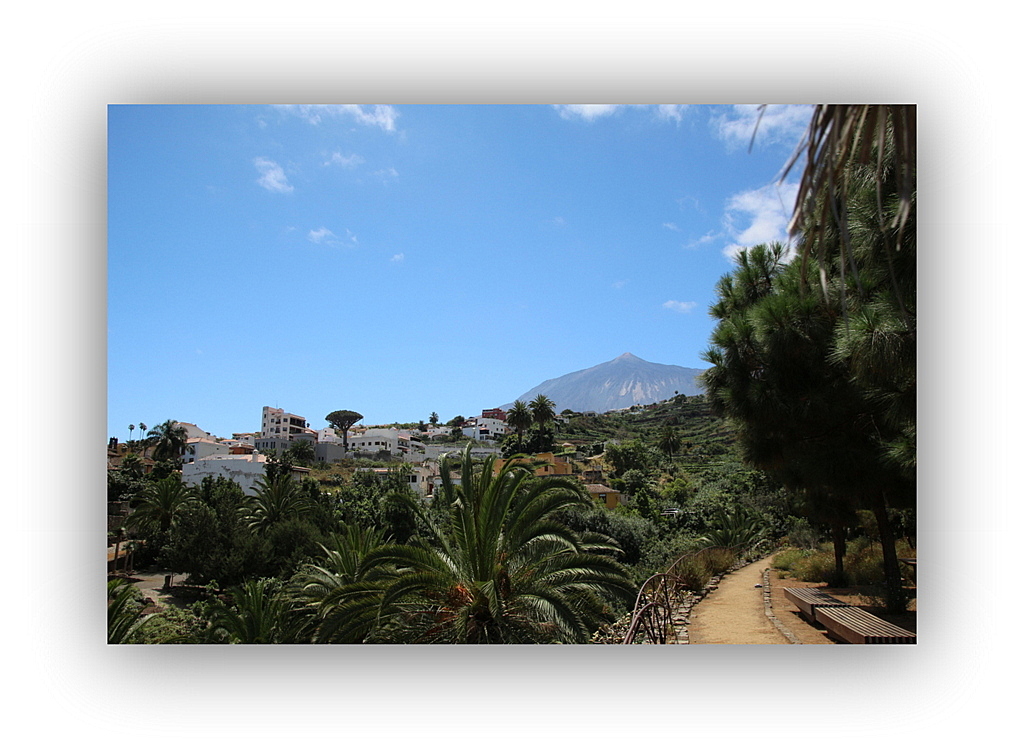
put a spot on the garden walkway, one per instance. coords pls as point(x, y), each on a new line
point(735, 612)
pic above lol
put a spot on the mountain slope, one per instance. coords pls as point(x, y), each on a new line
point(618, 384)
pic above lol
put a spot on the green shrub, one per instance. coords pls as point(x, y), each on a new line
point(864, 563)
point(696, 569)
point(817, 566)
point(172, 626)
point(802, 535)
point(788, 559)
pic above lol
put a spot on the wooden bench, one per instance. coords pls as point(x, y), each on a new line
point(912, 563)
point(854, 625)
point(807, 599)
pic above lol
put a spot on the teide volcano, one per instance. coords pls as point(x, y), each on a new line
point(618, 384)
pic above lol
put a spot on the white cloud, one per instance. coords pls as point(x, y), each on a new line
point(672, 112)
point(671, 226)
point(386, 175)
point(706, 238)
point(272, 177)
point(345, 161)
point(759, 216)
point(687, 204)
point(586, 112)
point(382, 116)
point(398, 257)
point(593, 112)
point(619, 284)
point(328, 237)
point(778, 124)
point(680, 306)
point(321, 236)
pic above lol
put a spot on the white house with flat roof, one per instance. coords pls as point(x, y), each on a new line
point(198, 448)
point(245, 469)
point(390, 439)
point(485, 429)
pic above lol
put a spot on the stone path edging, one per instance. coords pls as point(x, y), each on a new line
point(767, 587)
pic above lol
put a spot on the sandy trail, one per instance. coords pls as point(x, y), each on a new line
point(734, 613)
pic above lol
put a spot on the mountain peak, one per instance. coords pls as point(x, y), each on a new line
point(618, 384)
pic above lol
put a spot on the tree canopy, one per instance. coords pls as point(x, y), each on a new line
point(821, 380)
point(342, 420)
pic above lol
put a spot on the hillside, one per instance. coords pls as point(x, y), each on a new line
point(690, 415)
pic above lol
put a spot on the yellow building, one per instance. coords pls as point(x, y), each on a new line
point(549, 464)
point(608, 497)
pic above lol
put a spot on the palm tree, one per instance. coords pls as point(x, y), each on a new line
point(124, 612)
point(508, 572)
point(131, 465)
point(169, 440)
point(259, 613)
point(303, 452)
point(158, 503)
point(142, 441)
point(668, 441)
point(519, 418)
point(843, 136)
point(131, 429)
point(543, 409)
point(275, 501)
point(341, 596)
point(433, 418)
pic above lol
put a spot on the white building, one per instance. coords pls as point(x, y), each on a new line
point(485, 429)
point(199, 448)
point(421, 477)
point(245, 469)
point(329, 435)
point(476, 452)
point(390, 439)
point(277, 423)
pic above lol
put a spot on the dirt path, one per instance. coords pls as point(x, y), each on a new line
point(734, 614)
point(151, 585)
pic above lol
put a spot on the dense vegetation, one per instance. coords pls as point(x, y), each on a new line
point(353, 556)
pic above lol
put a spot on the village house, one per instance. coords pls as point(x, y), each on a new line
point(391, 439)
point(486, 429)
point(245, 469)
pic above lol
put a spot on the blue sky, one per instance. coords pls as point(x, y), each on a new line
point(402, 260)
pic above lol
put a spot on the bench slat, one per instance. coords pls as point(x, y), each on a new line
point(807, 599)
point(857, 626)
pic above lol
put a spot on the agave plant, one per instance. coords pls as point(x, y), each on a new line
point(738, 529)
